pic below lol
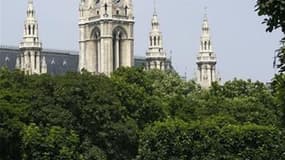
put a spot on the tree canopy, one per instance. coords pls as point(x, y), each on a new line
point(136, 114)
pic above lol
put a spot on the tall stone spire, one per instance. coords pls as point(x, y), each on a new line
point(30, 58)
point(155, 56)
point(206, 59)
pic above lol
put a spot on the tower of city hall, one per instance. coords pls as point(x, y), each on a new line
point(30, 60)
point(206, 59)
point(106, 35)
point(155, 56)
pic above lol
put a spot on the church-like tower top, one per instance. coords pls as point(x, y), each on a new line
point(155, 56)
point(31, 34)
point(206, 43)
point(206, 59)
point(156, 39)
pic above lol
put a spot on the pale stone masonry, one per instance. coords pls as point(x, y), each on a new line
point(106, 35)
point(206, 59)
point(30, 60)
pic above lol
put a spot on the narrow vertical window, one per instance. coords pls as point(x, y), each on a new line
point(158, 41)
point(106, 7)
point(29, 28)
point(126, 10)
point(34, 29)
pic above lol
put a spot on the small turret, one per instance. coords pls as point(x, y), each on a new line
point(206, 59)
point(30, 46)
point(155, 56)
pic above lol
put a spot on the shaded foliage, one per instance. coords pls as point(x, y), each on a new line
point(136, 114)
point(175, 139)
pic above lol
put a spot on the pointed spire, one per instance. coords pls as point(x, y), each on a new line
point(154, 22)
point(30, 43)
point(30, 11)
point(205, 27)
point(156, 56)
point(31, 25)
point(206, 59)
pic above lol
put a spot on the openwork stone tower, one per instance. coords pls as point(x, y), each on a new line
point(155, 56)
point(206, 59)
point(30, 60)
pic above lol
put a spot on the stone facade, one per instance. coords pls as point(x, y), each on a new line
point(206, 59)
point(106, 35)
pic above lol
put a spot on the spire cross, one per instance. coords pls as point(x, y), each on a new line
point(206, 9)
point(206, 12)
point(154, 7)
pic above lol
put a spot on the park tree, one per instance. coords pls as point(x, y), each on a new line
point(214, 138)
point(274, 12)
point(44, 143)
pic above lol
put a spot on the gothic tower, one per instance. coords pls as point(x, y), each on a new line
point(30, 60)
point(206, 59)
point(155, 56)
point(106, 35)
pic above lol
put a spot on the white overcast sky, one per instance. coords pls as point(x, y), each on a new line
point(244, 50)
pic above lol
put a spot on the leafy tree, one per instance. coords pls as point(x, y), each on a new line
point(10, 128)
point(50, 142)
point(135, 91)
point(274, 10)
point(279, 91)
point(127, 115)
point(210, 139)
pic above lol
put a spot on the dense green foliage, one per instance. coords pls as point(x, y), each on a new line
point(137, 114)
